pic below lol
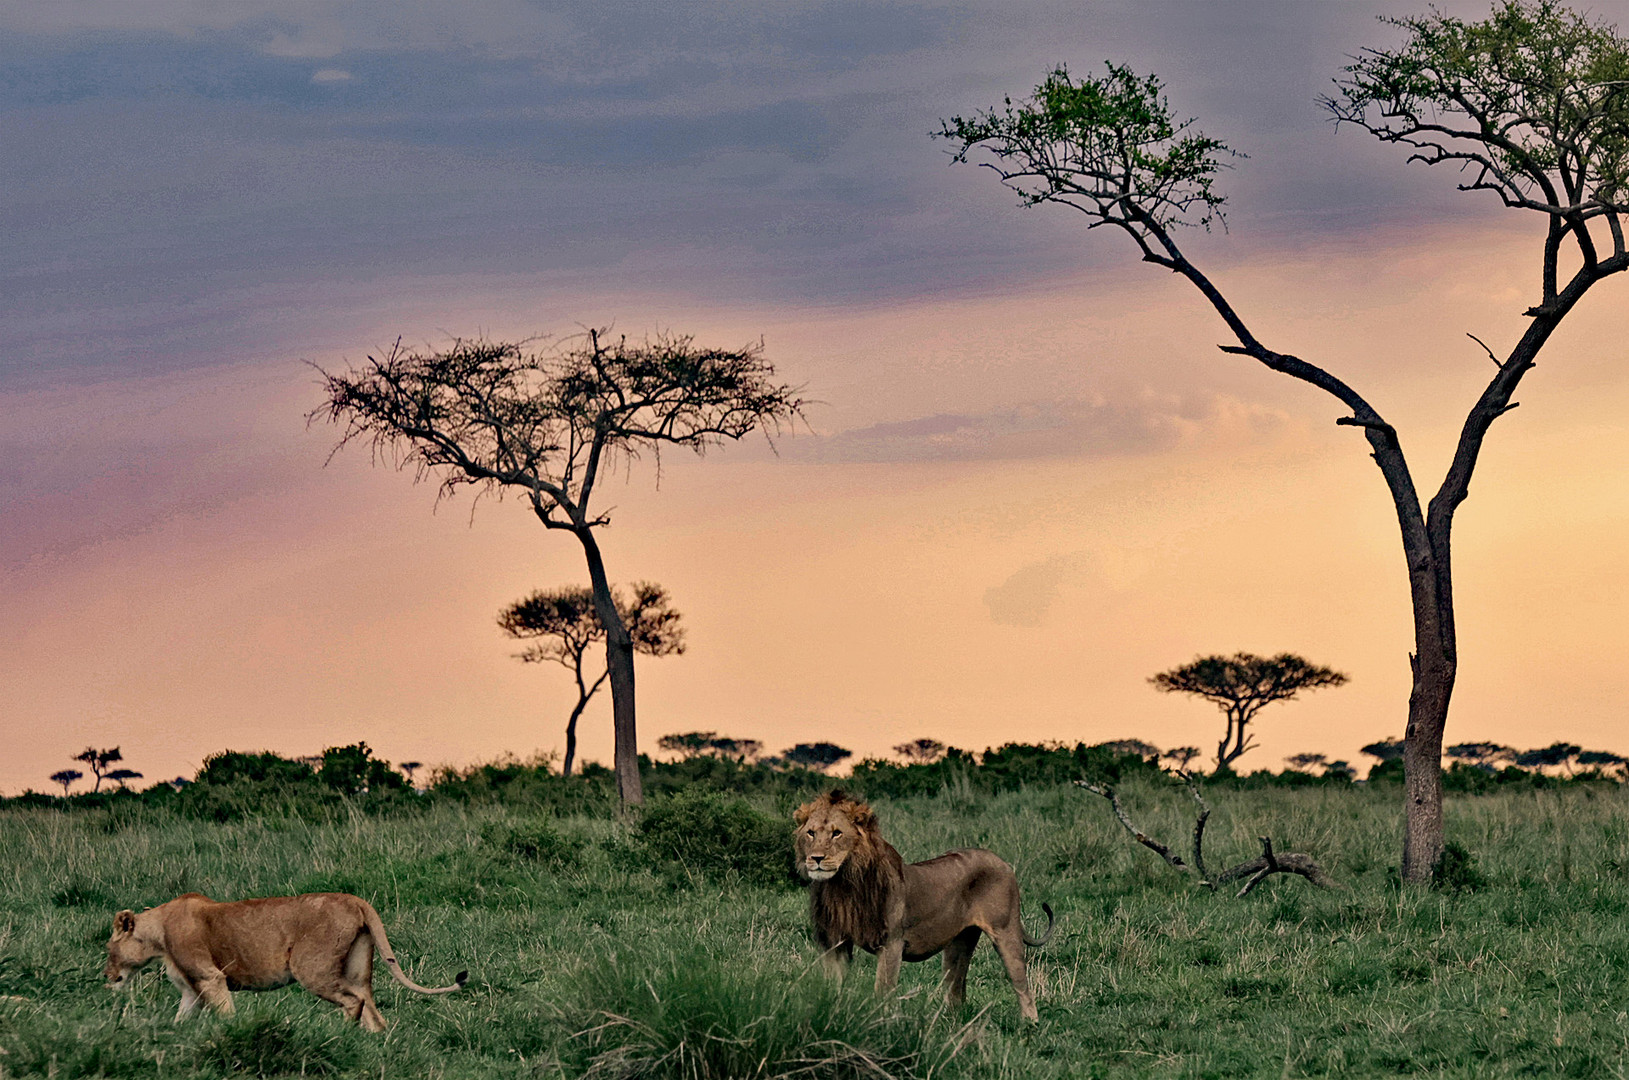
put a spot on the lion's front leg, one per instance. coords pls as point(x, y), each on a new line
point(888, 961)
point(835, 960)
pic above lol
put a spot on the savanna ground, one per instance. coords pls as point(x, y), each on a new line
point(585, 960)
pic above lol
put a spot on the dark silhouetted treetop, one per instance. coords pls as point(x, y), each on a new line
point(1478, 753)
point(123, 776)
point(1556, 754)
point(1304, 762)
point(921, 751)
point(1385, 749)
point(1242, 685)
point(545, 419)
point(98, 761)
point(561, 624)
point(66, 777)
point(818, 755)
point(1138, 747)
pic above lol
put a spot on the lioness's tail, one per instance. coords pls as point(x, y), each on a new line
point(1044, 938)
point(382, 943)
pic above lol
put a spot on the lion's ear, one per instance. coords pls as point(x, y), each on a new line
point(862, 815)
point(124, 922)
point(801, 814)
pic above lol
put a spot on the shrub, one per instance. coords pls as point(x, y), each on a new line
point(1455, 870)
point(711, 833)
point(533, 841)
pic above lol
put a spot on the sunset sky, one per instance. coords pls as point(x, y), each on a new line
point(1028, 480)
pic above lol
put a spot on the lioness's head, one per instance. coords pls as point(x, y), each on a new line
point(128, 949)
point(832, 830)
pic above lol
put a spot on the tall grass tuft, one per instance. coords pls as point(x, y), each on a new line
point(689, 1017)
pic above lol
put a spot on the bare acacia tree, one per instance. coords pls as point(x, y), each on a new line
point(546, 422)
point(561, 626)
point(1241, 686)
point(1531, 104)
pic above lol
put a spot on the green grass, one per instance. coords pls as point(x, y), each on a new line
point(584, 962)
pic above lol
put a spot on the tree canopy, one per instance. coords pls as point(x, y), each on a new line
point(544, 420)
point(1242, 685)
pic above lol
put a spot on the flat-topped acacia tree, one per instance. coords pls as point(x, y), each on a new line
point(546, 421)
point(561, 626)
point(1531, 104)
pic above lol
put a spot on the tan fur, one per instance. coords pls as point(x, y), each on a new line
point(862, 893)
point(323, 941)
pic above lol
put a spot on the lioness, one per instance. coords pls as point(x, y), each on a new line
point(323, 941)
point(862, 893)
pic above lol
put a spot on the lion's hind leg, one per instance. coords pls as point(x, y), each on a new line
point(1009, 943)
point(346, 979)
point(958, 953)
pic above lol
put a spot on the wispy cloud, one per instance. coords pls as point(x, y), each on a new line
point(1096, 427)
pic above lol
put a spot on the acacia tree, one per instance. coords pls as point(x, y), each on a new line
point(98, 761)
point(546, 422)
point(561, 626)
point(1241, 686)
point(65, 777)
point(1531, 104)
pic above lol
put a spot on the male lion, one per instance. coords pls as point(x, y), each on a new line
point(862, 893)
point(323, 941)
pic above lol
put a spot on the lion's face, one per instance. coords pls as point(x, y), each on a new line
point(829, 831)
point(126, 950)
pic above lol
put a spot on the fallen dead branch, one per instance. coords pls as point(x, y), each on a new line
point(1254, 872)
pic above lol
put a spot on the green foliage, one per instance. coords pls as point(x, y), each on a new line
point(1455, 870)
point(1109, 146)
point(711, 834)
point(1534, 101)
point(701, 1016)
point(353, 770)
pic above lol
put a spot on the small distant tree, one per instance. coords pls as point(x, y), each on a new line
point(1241, 686)
point(1385, 750)
point(742, 750)
point(688, 744)
point(562, 625)
point(98, 761)
point(1484, 755)
point(921, 751)
point(408, 768)
point(1556, 755)
point(122, 776)
point(1304, 762)
point(546, 423)
point(66, 777)
point(354, 770)
point(1137, 747)
point(818, 755)
point(1180, 757)
point(1341, 770)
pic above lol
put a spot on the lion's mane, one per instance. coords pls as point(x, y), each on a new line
point(853, 905)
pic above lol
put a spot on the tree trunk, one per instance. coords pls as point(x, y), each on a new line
point(571, 737)
point(619, 663)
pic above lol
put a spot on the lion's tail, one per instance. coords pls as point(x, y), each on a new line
point(376, 928)
point(1044, 938)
